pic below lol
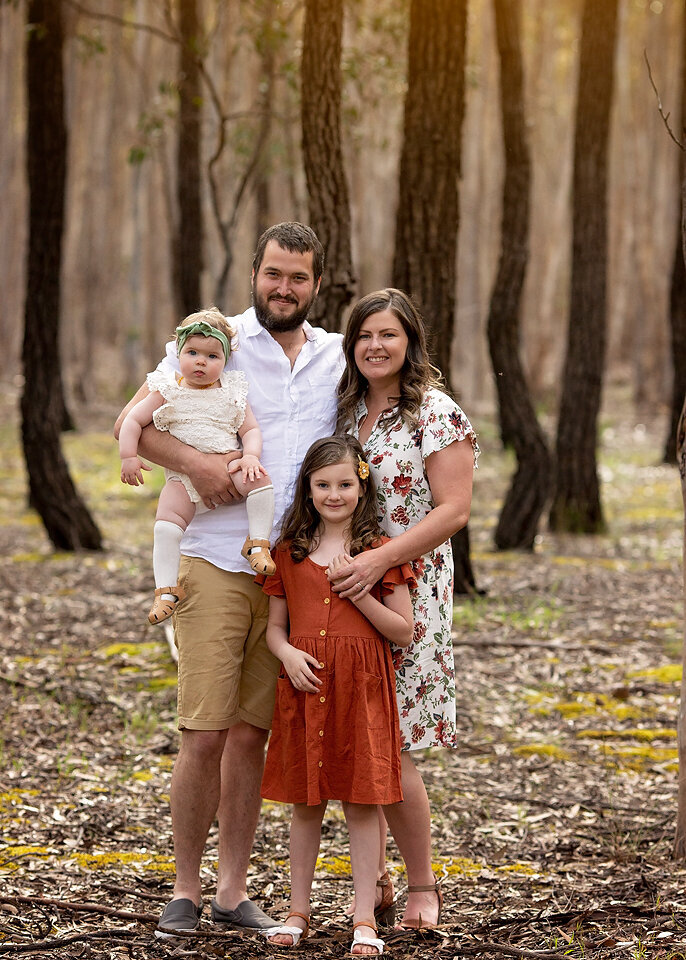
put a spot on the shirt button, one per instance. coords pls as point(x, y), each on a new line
point(322, 699)
point(326, 600)
point(322, 633)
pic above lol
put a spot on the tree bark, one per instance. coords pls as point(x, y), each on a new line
point(531, 485)
point(51, 491)
point(677, 291)
point(329, 200)
point(187, 251)
point(680, 833)
point(427, 221)
point(576, 504)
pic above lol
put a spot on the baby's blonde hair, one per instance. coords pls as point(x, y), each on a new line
point(216, 319)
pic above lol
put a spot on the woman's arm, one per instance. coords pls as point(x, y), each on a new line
point(296, 662)
point(450, 474)
point(207, 471)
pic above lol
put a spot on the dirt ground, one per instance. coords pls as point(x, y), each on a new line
point(553, 821)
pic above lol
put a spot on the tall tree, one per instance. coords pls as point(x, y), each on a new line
point(329, 201)
point(530, 488)
point(677, 291)
point(576, 504)
point(51, 490)
point(427, 221)
point(188, 237)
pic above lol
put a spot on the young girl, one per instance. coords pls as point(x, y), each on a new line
point(335, 734)
point(207, 408)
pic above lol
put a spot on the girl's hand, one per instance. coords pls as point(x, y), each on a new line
point(132, 470)
point(250, 467)
point(354, 577)
point(297, 665)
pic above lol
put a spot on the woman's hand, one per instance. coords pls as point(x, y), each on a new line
point(297, 665)
point(354, 577)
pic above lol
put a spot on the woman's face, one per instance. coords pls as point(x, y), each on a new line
point(380, 348)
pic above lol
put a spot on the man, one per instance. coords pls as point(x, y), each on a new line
point(227, 676)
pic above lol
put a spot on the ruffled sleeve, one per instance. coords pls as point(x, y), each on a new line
point(161, 382)
point(273, 584)
point(442, 423)
point(235, 383)
point(396, 576)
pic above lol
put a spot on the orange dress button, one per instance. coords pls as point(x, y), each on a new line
point(321, 666)
point(319, 764)
point(322, 699)
point(322, 633)
point(321, 733)
point(326, 600)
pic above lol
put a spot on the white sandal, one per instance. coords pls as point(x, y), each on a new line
point(294, 932)
point(367, 941)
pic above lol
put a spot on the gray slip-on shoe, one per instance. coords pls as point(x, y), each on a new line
point(181, 915)
point(246, 916)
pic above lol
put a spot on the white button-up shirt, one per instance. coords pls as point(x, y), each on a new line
point(294, 407)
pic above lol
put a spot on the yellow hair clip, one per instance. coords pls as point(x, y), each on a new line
point(362, 468)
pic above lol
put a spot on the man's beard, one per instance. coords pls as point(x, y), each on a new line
point(275, 323)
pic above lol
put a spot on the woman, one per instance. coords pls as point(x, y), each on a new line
point(422, 450)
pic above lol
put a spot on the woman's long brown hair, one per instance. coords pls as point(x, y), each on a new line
point(417, 373)
point(300, 528)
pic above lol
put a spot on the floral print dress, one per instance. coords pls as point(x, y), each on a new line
point(424, 671)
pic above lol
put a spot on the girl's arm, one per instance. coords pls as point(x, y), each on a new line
point(450, 474)
point(251, 439)
point(296, 662)
point(207, 471)
point(391, 616)
point(139, 416)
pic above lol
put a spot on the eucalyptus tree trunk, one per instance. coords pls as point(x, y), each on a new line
point(327, 188)
point(428, 216)
point(187, 251)
point(680, 834)
point(51, 490)
point(677, 291)
point(531, 485)
point(576, 504)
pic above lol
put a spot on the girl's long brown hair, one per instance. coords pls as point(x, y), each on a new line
point(416, 375)
point(300, 528)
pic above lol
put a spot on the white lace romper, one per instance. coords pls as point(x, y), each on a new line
point(205, 419)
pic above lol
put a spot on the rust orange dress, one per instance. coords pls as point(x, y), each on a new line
point(343, 742)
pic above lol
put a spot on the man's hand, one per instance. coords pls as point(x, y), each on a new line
point(210, 477)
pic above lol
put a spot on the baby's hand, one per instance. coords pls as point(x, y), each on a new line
point(297, 665)
point(132, 470)
point(250, 467)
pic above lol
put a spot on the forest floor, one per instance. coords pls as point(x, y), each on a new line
point(553, 821)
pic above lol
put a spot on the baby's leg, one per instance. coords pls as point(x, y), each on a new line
point(306, 827)
point(363, 828)
point(175, 510)
point(259, 502)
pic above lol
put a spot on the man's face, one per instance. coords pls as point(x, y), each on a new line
point(283, 289)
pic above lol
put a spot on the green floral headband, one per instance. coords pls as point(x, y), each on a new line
point(204, 329)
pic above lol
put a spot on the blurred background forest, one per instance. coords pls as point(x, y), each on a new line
point(122, 105)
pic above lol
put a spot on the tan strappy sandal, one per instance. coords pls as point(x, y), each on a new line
point(419, 924)
point(384, 912)
point(295, 933)
point(261, 561)
point(162, 609)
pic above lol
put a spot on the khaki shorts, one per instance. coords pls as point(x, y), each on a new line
point(226, 672)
